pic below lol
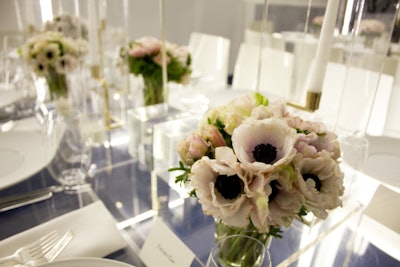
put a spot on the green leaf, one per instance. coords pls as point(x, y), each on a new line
point(221, 126)
point(305, 131)
point(303, 211)
point(275, 231)
point(184, 177)
point(192, 193)
point(261, 100)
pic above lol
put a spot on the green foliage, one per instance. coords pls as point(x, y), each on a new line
point(305, 131)
point(303, 212)
point(221, 128)
point(145, 65)
point(261, 100)
point(184, 177)
point(275, 231)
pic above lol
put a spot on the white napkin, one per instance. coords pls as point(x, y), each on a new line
point(93, 227)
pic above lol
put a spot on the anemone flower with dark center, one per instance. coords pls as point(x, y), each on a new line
point(274, 191)
point(229, 186)
point(265, 153)
point(315, 178)
point(264, 145)
point(49, 55)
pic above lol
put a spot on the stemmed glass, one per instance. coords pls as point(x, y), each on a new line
point(239, 250)
point(66, 145)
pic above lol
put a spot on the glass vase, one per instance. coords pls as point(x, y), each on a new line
point(239, 252)
point(369, 40)
point(58, 85)
point(67, 142)
point(59, 93)
point(153, 91)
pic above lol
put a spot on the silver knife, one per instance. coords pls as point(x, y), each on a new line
point(23, 199)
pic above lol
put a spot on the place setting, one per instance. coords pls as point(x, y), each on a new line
point(74, 235)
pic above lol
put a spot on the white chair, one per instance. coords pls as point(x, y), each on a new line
point(364, 103)
point(276, 70)
point(210, 57)
point(392, 125)
point(272, 40)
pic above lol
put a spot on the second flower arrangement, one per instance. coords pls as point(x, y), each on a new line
point(253, 165)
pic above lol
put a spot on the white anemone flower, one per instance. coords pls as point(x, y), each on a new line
point(50, 52)
point(285, 199)
point(321, 182)
point(65, 64)
point(221, 189)
point(264, 145)
point(40, 67)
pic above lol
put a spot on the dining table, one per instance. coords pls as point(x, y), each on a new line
point(127, 199)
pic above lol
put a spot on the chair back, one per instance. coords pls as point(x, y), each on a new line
point(210, 56)
point(276, 70)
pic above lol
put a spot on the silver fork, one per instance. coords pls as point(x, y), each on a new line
point(42, 251)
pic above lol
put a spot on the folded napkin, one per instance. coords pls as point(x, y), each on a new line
point(93, 227)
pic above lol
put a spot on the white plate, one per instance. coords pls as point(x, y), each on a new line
point(383, 160)
point(87, 262)
point(21, 155)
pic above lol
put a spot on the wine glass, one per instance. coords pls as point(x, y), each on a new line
point(239, 250)
point(67, 149)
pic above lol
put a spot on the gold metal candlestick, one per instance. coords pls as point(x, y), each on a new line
point(312, 102)
point(31, 29)
point(103, 25)
point(95, 72)
point(111, 122)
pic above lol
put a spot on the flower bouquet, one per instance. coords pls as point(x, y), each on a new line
point(144, 58)
point(254, 167)
point(317, 24)
point(52, 55)
point(69, 25)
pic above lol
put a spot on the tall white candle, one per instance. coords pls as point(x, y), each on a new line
point(94, 51)
point(316, 75)
point(103, 10)
point(18, 16)
point(29, 11)
point(163, 49)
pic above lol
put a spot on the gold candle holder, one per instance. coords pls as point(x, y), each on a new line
point(110, 121)
point(312, 102)
point(31, 29)
point(103, 25)
point(95, 72)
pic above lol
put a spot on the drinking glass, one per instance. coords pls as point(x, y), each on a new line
point(239, 250)
point(70, 152)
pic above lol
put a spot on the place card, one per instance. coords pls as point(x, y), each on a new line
point(164, 248)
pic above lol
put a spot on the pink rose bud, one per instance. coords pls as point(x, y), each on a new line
point(211, 133)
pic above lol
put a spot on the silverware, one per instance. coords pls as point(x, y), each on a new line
point(23, 199)
point(49, 254)
point(44, 250)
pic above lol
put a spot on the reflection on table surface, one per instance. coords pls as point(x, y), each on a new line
point(127, 189)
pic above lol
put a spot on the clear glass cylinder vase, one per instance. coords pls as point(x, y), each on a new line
point(153, 91)
point(222, 230)
point(239, 251)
